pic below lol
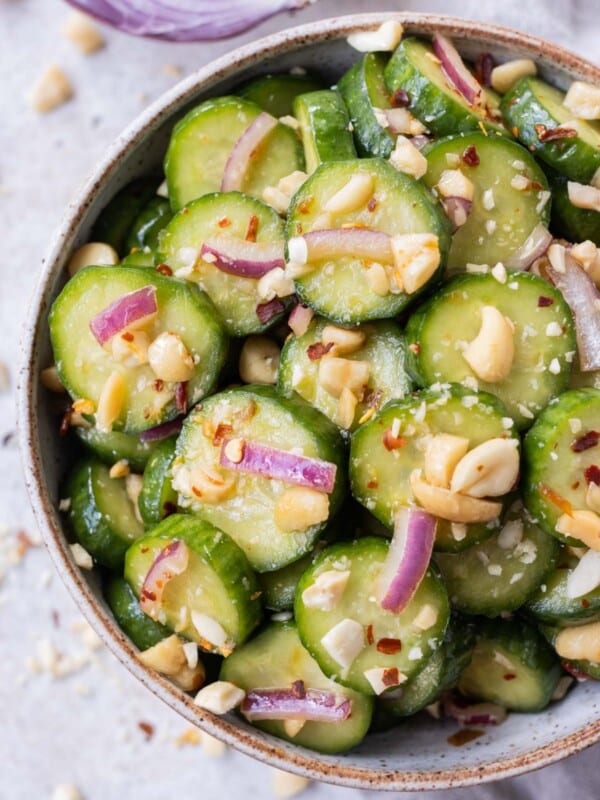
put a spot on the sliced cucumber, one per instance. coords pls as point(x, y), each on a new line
point(148, 224)
point(217, 583)
point(544, 339)
point(511, 665)
point(532, 107)
point(276, 659)
point(158, 499)
point(491, 234)
point(438, 105)
point(380, 477)
point(555, 474)
point(143, 631)
point(383, 348)
point(139, 258)
point(363, 90)
point(551, 604)
point(276, 93)
point(101, 515)
point(391, 640)
point(502, 572)
point(201, 144)
point(224, 216)
point(339, 288)
point(84, 365)
point(114, 446)
point(115, 220)
point(569, 221)
point(246, 509)
point(325, 128)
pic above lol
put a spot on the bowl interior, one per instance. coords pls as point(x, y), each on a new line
point(416, 755)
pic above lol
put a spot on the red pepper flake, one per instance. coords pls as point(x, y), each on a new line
point(585, 442)
point(305, 205)
point(585, 603)
point(181, 398)
point(248, 412)
point(545, 134)
point(471, 157)
point(575, 485)
point(556, 499)
point(224, 222)
point(147, 729)
point(164, 269)
point(144, 549)
point(252, 228)
point(372, 204)
point(509, 676)
point(515, 131)
point(536, 186)
point(147, 594)
point(127, 336)
point(65, 422)
point(318, 350)
point(266, 311)
point(389, 646)
point(222, 432)
point(370, 638)
point(544, 302)
point(373, 484)
point(484, 65)
point(158, 385)
point(391, 442)
point(299, 689)
point(390, 677)
point(464, 736)
point(400, 98)
point(415, 348)
point(592, 474)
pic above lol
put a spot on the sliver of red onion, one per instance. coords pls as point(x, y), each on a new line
point(474, 713)
point(160, 432)
point(171, 561)
point(125, 311)
point(455, 70)
point(316, 705)
point(536, 244)
point(239, 160)
point(242, 258)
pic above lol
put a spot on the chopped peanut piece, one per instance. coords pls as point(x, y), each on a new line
point(94, 254)
point(450, 505)
point(234, 450)
point(416, 257)
point(66, 791)
point(426, 618)
point(168, 657)
point(211, 746)
point(346, 408)
point(386, 38)
point(327, 590)
point(345, 641)
point(579, 642)
point(400, 120)
point(442, 454)
point(505, 75)
point(299, 508)
point(352, 196)
point(292, 727)
point(337, 373)
point(259, 360)
point(52, 90)
point(453, 183)
point(130, 348)
point(81, 556)
point(378, 279)
point(581, 525)
point(290, 184)
point(382, 678)
point(79, 29)
point(276, 283)
point(211, 631)
point(489, 470)
point(204, 483)
point(133, 489)
point(119, 469)
point(50, 380)
point(276, 198)
point(219, 697)
point(83, 406)
point(490, 355)
point(345, 341)
point(407, 158)
point(169, 358)
point(583, 196)
point(583, 100)
point(110, 404)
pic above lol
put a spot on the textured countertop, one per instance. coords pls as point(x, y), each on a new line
point(84, 728)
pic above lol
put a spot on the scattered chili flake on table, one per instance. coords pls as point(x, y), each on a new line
point(147, 729)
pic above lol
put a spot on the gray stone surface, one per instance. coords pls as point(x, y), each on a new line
point(83, 728)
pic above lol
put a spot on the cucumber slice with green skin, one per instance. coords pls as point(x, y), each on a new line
point(158, 499)
point(115, 220)
point(439, 674)
point(276, 658)
point(364, 559)
point(568, 221)
point(114, 446)
point(574, 666)
point(221, 215)
point(217, 582)
point(511, 665)
point(101, 515)
point(84, 365)
point(384, 349)
point(544, 339)
point(148, 224)
point(554, 476)
point(438, 105)
point(143, 631)
point(530, 103)
point(551, 605)
point(491, 235)
point(582, 380)
point(201, 144)
point(380, 478)
point(363, 90)
point(325, 128)
point(246, 512)
point(502, 572)
point(139, 258)
point(338, 288)
point(276, 93)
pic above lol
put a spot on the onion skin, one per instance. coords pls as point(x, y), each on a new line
point(315, 705)
point(300, 318)
point(269, 310)
point(457, 210)
point(125, 311)
point(534, 247)
point(170, 562)
point(455, 70)
point(241, 258)
point(160, 432)
point(241, 156)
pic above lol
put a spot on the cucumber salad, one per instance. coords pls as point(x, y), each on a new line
point(333, 396)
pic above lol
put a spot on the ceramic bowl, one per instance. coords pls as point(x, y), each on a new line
point(413, 756)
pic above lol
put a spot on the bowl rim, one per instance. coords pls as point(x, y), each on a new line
point(301, 761)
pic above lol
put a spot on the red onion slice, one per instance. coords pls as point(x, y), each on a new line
point(281, 465)
point(357, 242)
point(474, 713)
point(420, 140)
point(457, 210)
point(580, 292)
point(160, 432)
point(408, 558)
point(534, 247)
point(131, 309)
point(269, 310)
point(171, 561)
point(242, 258)
point(312, 705)
point(300, 319)
point(238, 163)
point(455, 70)
point(184, 20)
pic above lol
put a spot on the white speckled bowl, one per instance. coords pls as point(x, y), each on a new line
point(416, 755)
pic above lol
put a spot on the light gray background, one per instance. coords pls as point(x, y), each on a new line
point(83, 729)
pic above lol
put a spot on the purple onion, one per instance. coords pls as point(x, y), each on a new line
point(126, 311)
point(536, 244)
point(300, 319)
point(474, 713)
point(242, 258)
point(171, 561)
point(457, 210)
point(160, 432)
point(269, 310)
point(455, 70)
point(240, 158)
point(312, 705)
